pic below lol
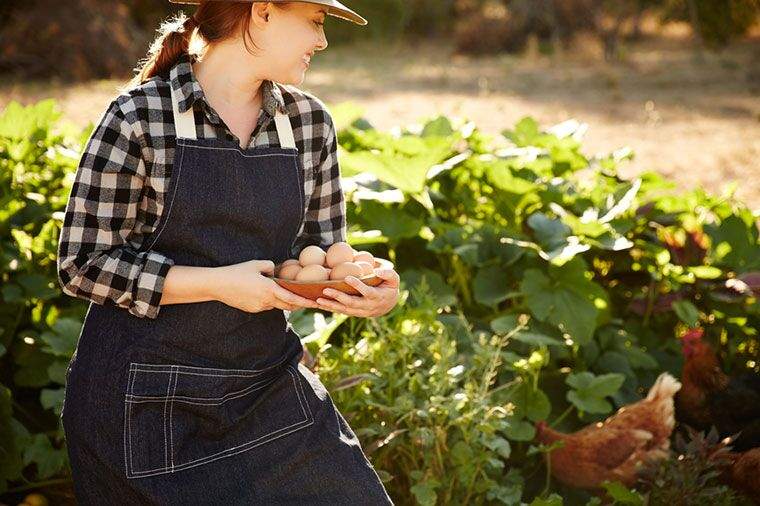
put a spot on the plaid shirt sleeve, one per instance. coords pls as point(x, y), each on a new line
point(96, 260)
point(325, 220)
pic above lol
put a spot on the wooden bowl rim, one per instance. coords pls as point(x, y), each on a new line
point(380, 262)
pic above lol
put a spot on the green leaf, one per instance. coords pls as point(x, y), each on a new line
point(394, 223)
point(565, 303)
point(687, 312)
point(442, 293)
point(536, 339)
point(550, 233)
point(440, 126)
point(588, 403)
point(552, 500)
point(57, 371)
point(499, 445)
point(38, 286)
point(520, 430)
point(52, 399)
point(12, 294)
point(501, 176)
point(48, 459)
point(490, 285)
point(622, 495)
point(63, 337)
point(590, 390)
point(424, 492)
point(504, 324)
point(533, 404)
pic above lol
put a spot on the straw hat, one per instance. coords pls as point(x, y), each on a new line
point(334, 8)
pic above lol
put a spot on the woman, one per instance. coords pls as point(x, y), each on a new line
point(186, 386)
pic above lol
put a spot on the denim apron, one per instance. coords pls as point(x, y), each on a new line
point(209, 404)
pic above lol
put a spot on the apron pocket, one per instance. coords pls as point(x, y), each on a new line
point(177, 417)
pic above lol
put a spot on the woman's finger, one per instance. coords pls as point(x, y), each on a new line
point(337, 307)
point(291, 298)
point(346, 299)
point(364, 289)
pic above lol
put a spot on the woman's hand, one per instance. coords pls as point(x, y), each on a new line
point(243, 286)
point(374, 301)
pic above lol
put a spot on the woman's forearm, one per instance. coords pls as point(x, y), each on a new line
point(185, 284)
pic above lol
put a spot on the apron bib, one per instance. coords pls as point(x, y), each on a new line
point(208, 404)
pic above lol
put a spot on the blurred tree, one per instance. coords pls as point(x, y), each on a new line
point(80, 39)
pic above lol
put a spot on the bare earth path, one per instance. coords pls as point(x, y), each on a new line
point(695, 121)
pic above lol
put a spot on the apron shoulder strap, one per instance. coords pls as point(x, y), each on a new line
point(284, 130)
point(184, 122)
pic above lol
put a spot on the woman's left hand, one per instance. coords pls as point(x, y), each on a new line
point(373, 301)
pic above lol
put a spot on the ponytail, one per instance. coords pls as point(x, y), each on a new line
point(173, 40)
point(212, 22)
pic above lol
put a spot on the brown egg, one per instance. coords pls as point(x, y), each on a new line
point(340, 271)
point(290, 271)
point(312, 255)
point(364, 256)
point(312, 272)
point(290, 261)
point(339, 253)
point(367, 268)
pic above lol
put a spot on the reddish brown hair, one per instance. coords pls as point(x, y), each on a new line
point(213, 22)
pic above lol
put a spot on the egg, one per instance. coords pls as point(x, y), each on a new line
point(312, 272)
point(367, 268)
point(290, 261)
point(290, 271)
point(340, 271)
point(312, 255)
point(338, 253)
point(364, 256)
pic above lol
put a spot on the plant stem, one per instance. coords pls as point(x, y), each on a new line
point(563, 415)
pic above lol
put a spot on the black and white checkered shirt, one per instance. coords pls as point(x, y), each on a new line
point(119, 189)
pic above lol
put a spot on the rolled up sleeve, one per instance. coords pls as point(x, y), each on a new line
point(325, 219)
point(97, 257)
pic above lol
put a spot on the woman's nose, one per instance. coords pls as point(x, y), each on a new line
point(322, 44)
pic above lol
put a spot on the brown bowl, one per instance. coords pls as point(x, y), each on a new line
point(313, 289)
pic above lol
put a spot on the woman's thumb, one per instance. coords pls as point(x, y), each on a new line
point(388, 275)
point(265, 266)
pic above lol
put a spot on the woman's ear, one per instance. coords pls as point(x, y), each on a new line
point(259, 12)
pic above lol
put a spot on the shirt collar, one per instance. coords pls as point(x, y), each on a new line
point(183, 81)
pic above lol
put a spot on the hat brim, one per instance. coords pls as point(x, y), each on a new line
point(334, 8)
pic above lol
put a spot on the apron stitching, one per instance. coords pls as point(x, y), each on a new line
point(129, 421)
point(243, 373)
point(171, 423)
point(127, 466)
point(142, 399)
point(166, 401)
point(241, 151)
point(174, 195)
point(300, 387)
point(242, 447)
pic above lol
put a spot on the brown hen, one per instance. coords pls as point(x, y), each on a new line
point(615, 448)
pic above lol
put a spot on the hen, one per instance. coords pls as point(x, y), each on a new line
point(710, 397)
point(614, 449)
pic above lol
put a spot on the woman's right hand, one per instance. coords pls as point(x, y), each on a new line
point(243, 286)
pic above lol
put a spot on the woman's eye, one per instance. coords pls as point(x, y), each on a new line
point(318, 23)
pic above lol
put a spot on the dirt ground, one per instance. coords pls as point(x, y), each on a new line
point(695, 119)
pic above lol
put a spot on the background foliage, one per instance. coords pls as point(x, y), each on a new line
point(91, 39)
point(541, 286)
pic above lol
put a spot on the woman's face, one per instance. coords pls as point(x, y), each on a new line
point(288, 37)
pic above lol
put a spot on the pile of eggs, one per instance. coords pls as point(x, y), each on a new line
point(315, 264)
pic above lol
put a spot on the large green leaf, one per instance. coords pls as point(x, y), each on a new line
point(589, 391)
point(569, 306)
point(490, 285)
